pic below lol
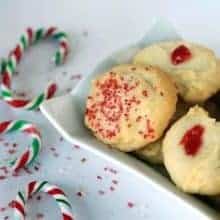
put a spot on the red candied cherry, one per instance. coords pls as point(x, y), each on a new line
point(180, 55)
point(192, 140)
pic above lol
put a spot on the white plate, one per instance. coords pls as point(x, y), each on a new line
point(66, 115)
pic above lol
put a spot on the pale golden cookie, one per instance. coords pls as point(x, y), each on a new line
point(153, 152)
point(191, 151)
point(194, 68)
point(130, 106)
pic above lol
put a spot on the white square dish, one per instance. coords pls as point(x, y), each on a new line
point(66, 114)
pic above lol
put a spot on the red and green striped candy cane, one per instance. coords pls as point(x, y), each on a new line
point(29, 155)
point(42, 186)
point(28, 38)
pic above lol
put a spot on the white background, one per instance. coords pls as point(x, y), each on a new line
point(96, 28)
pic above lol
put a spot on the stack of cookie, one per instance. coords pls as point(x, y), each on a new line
point(158, 108)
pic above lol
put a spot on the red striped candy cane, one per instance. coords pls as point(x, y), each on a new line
point(42, 186)
point(29, 155)
point(27, 39)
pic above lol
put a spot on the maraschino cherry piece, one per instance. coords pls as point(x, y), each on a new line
point(180, 54)
point(192, 140)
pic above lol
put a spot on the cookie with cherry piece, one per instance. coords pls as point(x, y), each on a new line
point(194, 68)
point(152, 152)
point(191, 152)
point(130, 106)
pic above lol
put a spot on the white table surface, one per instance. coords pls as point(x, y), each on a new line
point(97, 189)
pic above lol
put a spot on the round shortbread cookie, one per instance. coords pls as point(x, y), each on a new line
point(194, 68)
point(153, 152)
point(191, 151)
point(124, 106)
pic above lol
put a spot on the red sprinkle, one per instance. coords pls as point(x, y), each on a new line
point(192, 140)
point(38, 198)
point(11, 151)
point(2, 177)
point(83, 160)
point(53, 149)
point(39, 216)
point(36, 168)
point(180, 54)
point(138, 118)
point(115, 182)
point(112, 188)
point(149, 130)
point(14, 145)
point(130, 204)
point(80, 194)
point(101, 192)
point(2, 209)
point(6, 144)
point(144, 92)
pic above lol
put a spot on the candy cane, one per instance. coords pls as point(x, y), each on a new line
point(28, 38)
point(28, 156)
point(42, 186)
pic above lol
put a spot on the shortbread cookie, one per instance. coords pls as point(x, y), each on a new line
point(191, 151)
point(153, 152)
point(193, 67)
point(130, 106)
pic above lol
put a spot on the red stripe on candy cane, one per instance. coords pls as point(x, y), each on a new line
point(51, 90)
point(67, 217)
point(30, 34)
point(55, 191)
point(50, 31)
point(18, 53)
point(17, 103)
point(32, 130)
point(22, 161)
point(31, 186)
point(4, 125)
point(6, 79)
point(19, 207)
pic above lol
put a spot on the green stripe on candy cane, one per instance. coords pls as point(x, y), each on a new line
point(41, 186)
point(9, 67)
point(3, 65)
point(29, 155)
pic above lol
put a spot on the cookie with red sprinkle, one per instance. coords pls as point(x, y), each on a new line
point(153, 152)
point(194, 68)
point(191, 152)
point(130, 106)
